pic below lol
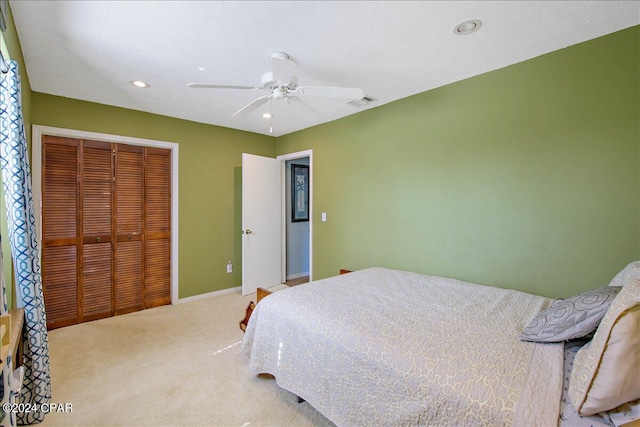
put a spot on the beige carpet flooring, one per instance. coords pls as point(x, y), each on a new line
point(176, 365)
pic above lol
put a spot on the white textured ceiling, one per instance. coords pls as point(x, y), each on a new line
point(91, 50)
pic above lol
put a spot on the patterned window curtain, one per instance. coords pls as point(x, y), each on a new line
point(16, 183)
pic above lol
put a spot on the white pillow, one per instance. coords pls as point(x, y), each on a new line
point(605, 372)
point(629, 273)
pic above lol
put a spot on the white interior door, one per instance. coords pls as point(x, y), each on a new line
point(261, 222)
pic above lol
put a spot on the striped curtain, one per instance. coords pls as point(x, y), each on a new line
point(16, 183)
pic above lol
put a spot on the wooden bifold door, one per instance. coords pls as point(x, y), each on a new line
point(106, 220)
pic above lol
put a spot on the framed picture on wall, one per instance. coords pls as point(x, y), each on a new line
point(299, 193)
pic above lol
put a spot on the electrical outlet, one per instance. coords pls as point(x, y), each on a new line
point(229, 267)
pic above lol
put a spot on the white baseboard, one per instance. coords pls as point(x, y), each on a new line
point(297, 275)
point(210, 294)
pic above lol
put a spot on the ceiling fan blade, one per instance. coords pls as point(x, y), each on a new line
point(208, 86)
point(332, 92)
point(282, 67)
point(295, 98)
point(251, 106)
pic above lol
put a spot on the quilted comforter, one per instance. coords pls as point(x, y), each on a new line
point(389, 347)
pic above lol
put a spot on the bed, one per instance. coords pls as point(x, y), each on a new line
point(389, 347)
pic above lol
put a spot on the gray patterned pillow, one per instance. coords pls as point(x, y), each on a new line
point(570, 318)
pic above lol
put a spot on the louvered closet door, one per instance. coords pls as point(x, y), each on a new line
point(60, 225)
point(106, 229)
point(129, 277)
point(158, 225)
point(96, 251)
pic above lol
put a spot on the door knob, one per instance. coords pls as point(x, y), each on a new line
point(247, 231)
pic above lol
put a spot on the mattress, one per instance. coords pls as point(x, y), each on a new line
point(389, 347)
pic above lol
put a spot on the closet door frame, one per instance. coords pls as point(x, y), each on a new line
point(36, 172)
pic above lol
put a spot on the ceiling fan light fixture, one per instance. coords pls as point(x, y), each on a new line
point(139, 83)
point(467, 27)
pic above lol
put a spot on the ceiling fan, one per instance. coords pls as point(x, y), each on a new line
point(281, 85)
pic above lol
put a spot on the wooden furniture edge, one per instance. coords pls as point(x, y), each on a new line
point(247, 314)
point(15, 321)
point(261, 293)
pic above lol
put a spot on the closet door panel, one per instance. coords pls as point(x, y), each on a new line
point(60, 231)
point(129, 277)
point(96, 183)
point(158, 226)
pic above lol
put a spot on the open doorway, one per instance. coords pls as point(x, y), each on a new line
point(298, 234)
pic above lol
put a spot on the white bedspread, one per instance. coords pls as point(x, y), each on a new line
point(387, 347)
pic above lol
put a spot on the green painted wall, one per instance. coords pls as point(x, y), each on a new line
point(11, 50)
point(526, 177)
point(210, 160)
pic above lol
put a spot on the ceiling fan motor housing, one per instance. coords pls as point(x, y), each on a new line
point(279, 92)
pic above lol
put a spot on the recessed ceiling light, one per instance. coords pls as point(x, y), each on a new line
point(266, 116)
point(139, 83)
point(201, 69)
point(467, 27)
